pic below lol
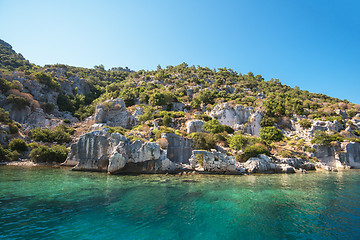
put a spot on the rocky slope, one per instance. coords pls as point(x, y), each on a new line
point(181, 118)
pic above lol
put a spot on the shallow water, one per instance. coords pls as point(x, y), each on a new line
point(56, 203)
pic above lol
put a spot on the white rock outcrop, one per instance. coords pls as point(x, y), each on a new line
point(214, 162)
point(114, 113)
point(113, 153)
point(231, 116)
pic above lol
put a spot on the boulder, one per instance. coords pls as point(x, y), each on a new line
point(194, 126)
point(114, 113)
point(177, 106)
point(261, 164)
point(286, 168)
point(214, 161)
point(114, 153)
point(298, 163)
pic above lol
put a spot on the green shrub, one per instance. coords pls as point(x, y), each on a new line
point(203, 117)
point(305, 123)
point(352, 113)
point(228, 129)
point(18, 144)
point(200, 159)
point(238, 142)
point(325, 139)
point(204, 141)
point(285, 153)
point(47, 135)
point(166, 120)
point(13, 155)
point(271, 134)
point(119, 129)
point(3, 154)
point(268, 121)
point(213, 126)
point(57, 153)
point(47, 80)
point(48, 107)
point(17, 101)
point(13, 128)
point(4, 116)
point(253, 151)
point(67, 121)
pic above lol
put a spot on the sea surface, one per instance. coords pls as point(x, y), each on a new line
point(56, 203)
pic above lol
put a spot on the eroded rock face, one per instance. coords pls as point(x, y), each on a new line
point(75, 85)
point(214, 161)
point(194, 126)
point(253, 126)
point(351, 156)
point(179, 149)
point(114, 153)
point(231, 116)
point(114, 113)
point(327, 154)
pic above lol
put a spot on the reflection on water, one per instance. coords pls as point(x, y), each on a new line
point(53, 203)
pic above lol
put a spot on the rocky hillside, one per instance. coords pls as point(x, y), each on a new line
point(173, 118)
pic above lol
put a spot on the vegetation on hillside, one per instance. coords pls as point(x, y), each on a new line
point(157, 92)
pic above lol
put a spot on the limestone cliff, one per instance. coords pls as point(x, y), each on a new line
point(114, 153)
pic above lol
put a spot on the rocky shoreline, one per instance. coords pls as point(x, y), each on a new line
point(114, 153)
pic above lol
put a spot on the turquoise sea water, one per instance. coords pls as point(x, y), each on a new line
point(56, 203)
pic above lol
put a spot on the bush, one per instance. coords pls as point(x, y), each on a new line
point(166, 120)
point(47, 135)
point(254, 151)
point(305, 123)
point(17, 101)
point(325, 139)
point(352, 113)
point(285, 153)
point(200, 159)
point(13, 128)
point(213, 126)
point(18, 145)
point(268, 121)
point(48, 107)
point(47, 80)
point(238, 142)
point(4, 116)
point(119, 129)
point(204, 141)
point(203, 117)
point(271, 134)
point(57, 153)
point(228, 129)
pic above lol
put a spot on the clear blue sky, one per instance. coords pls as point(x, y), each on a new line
point(307, 43)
